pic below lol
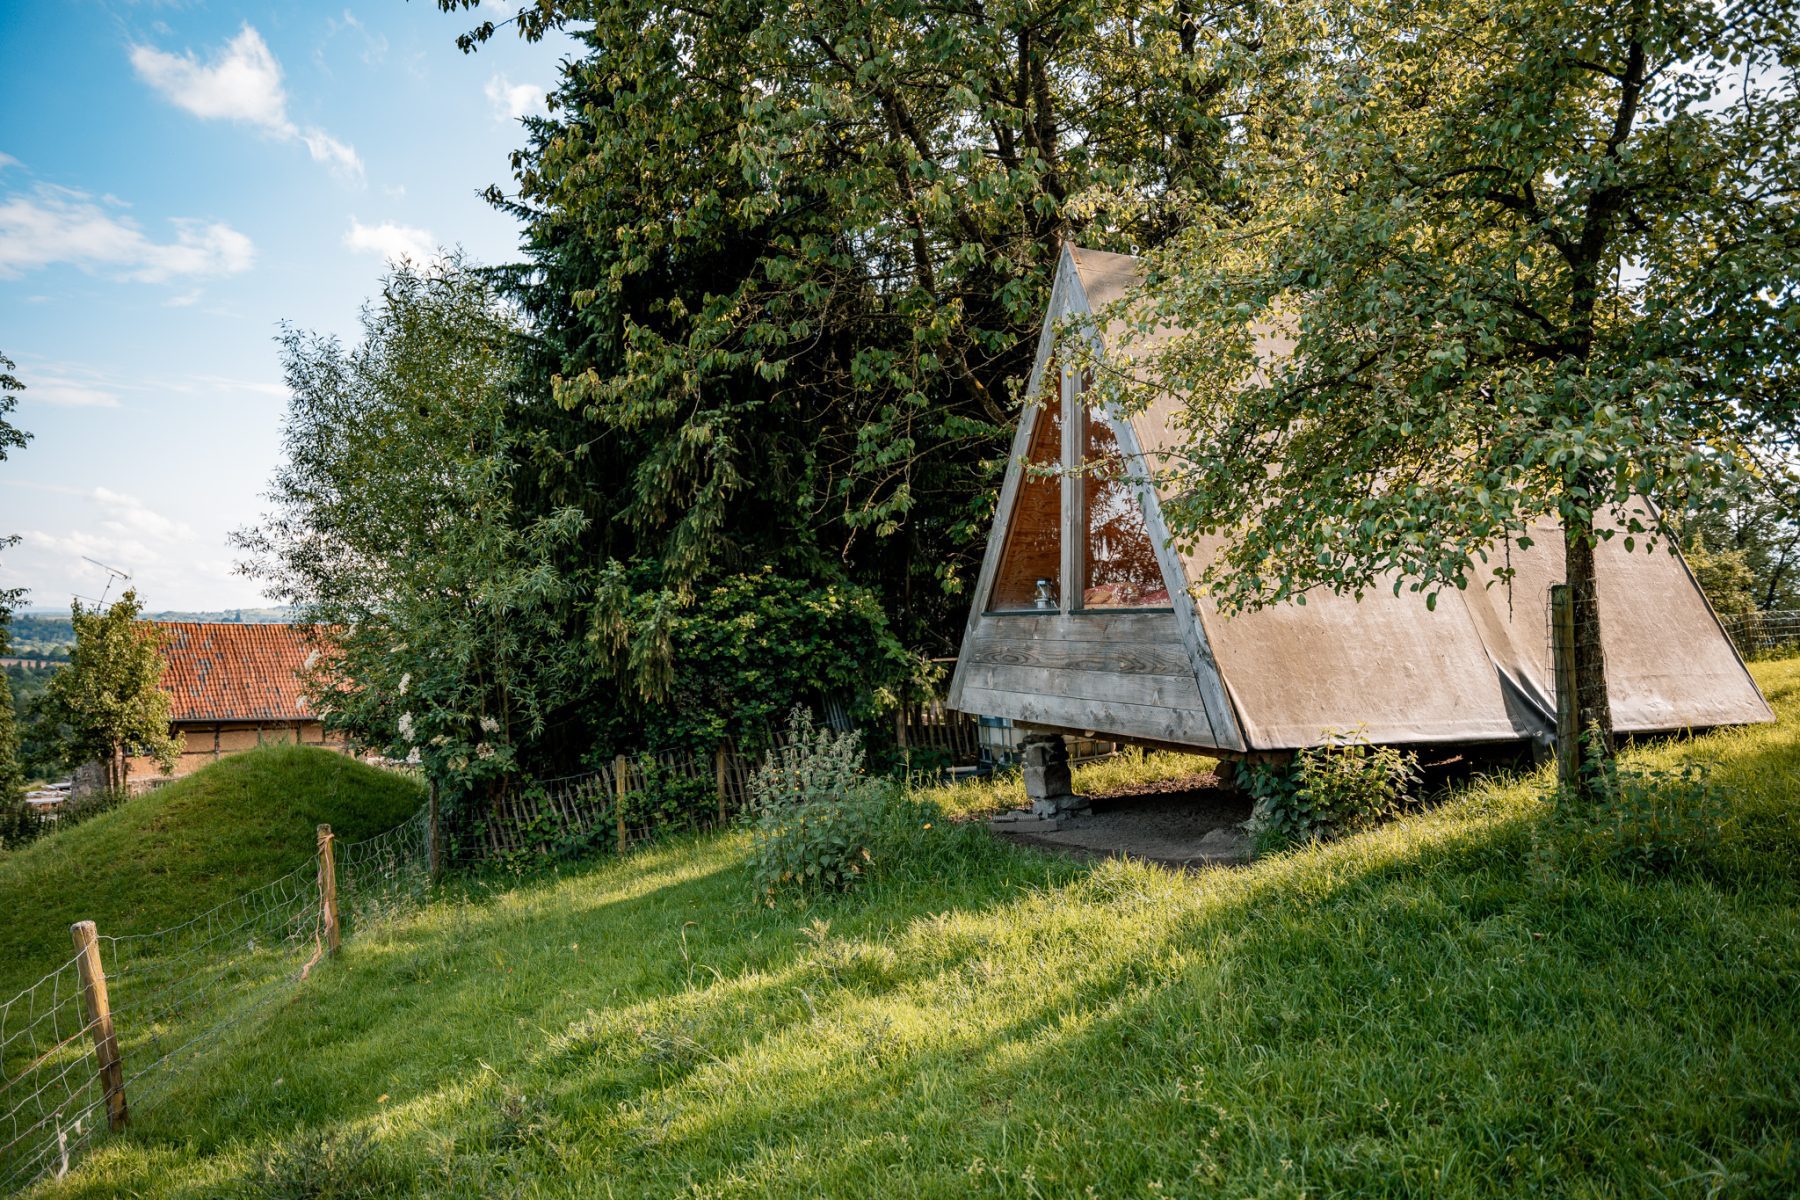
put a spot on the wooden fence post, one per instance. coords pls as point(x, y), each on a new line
point(621, 786)
point(720, 781)
point(1562, 646)
point(328, 906)
point(432, 848)
point(99, 1019)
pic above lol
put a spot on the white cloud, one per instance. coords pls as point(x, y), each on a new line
point(128, 517)
point(241, 82)
point(392, 241)
point(61, 225)
point(339, 156)
point(7, 160)
point(513, 100)
point(68, 394)
point(374, 45)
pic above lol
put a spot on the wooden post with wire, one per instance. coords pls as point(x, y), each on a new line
point(433, 846)
point(621, 786)
point(721, 780)
point(1562, 649)
point(328, 906)
point(99, 1019)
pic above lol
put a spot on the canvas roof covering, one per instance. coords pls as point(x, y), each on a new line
point(1474, 669)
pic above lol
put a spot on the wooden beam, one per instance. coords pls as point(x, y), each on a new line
point(98, 1007)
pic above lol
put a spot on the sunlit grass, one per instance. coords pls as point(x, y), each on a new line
point(1006, 789)
point(1405, 1012)
point(162, 857)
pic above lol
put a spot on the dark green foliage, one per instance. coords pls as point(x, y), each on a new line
point(21, 824)
point(787, 266)
point(12, 767)
point(665, 799)
point(739, 654)
point(1336, 788)
point(35, 636)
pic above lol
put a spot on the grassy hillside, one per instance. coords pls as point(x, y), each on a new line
point(1406, 1012)
point(183, 848)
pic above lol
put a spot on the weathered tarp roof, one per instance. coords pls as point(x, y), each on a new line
point(1474, 669)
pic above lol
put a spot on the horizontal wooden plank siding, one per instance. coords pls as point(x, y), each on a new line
point(1114, 658)
point(1102, 687)
point(1122, 719)
point(1119, 627)
point(1121, 673)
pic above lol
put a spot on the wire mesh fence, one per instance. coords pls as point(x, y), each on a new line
point(1765, 634)
point(165, 994)
point(50, 1102)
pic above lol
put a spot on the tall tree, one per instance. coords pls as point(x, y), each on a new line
point(1538, 259)
point(12, 776)
point(108, 701)
point(788, 263)
point(393, 525)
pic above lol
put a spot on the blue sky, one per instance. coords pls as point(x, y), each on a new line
point(175, 181)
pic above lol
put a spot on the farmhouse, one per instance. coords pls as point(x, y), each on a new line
point(1082, 622)
point(235, 687)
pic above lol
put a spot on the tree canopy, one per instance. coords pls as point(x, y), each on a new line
point(788, 264)
point(107, 704)
point(1537, 260)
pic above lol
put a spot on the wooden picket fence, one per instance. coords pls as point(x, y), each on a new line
point(606, 806)
point(935, 728)
point(599, 806)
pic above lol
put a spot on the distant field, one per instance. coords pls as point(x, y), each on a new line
point(1414, 1011)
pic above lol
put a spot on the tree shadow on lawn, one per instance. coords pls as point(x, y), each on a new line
point(636, 963)
point(1400, 1012)
point(1378, 1039)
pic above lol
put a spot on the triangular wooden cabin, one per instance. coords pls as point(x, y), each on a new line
point(1082, 623)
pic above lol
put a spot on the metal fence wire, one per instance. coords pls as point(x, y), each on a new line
point(1764, 634)
point(174, 990)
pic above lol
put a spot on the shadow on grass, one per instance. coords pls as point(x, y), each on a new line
point(1405, 1012)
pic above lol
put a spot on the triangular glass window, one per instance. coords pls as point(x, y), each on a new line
point(1031, 559)
point(1118, 561)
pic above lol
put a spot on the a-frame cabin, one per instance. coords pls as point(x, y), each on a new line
point(1082, 621)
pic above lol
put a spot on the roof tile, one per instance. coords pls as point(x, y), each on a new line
point(233, 672)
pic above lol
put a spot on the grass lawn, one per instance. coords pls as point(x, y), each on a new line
point(195, 843)
point(1407, 1012)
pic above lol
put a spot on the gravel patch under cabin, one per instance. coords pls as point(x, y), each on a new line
point(1187, 822)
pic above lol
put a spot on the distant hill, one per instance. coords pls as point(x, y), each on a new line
point(43, 633)
point(161, 857)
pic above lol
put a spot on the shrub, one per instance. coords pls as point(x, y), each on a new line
point(817, 817)
point(1327, 790)
point(1638, 819)
point(20, 825)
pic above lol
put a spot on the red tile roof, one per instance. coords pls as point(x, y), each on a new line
point(231, 672)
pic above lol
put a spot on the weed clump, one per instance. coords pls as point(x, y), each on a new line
point(1327, 790)
point(819, 821)
point(1638, 820)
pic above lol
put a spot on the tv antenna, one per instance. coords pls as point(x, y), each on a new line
point(113, 575)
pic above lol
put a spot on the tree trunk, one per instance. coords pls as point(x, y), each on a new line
point(1593, 712)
